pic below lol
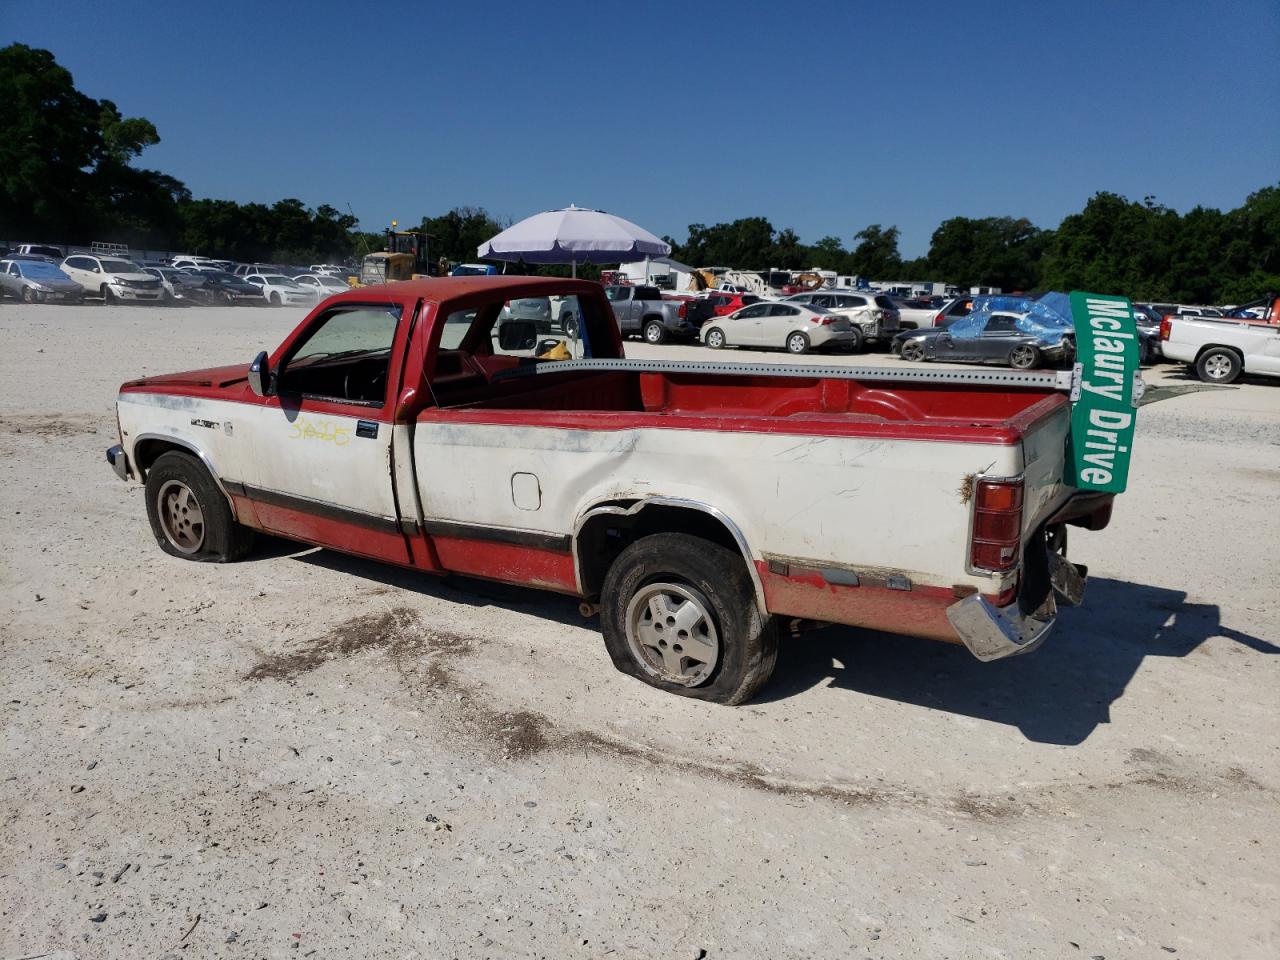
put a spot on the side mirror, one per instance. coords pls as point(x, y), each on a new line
point(517, 334)
point(260, 374)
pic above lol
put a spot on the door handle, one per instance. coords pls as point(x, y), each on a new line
point(367, 428)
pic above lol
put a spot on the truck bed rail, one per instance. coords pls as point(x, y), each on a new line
point(1029, 379)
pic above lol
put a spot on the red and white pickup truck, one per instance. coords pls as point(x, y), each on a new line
point(697, 504)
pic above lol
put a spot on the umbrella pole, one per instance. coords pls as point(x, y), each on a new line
point(575, 268)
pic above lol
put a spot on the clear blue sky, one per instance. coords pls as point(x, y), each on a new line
point(823, 117)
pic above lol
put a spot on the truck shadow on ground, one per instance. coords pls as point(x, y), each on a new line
point(475, 593)
point(1058, 694)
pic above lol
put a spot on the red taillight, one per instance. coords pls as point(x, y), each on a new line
point(937, 321)
point(1166, 327)
point(684, 308)
point(997, 525)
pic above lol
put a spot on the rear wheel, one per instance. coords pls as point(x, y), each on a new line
point(1024, 357)
point(797, 343)
point(680, 613)
point(189, 515)
point(1219, 365)
point(570, 325)
point(654, 332)
point(715, 338)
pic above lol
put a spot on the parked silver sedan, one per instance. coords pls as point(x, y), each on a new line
point(793, 327)
point(38, 281)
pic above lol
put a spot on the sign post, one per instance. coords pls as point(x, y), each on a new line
point(1103, 417)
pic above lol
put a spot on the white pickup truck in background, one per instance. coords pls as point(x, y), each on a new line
point(1221, 350)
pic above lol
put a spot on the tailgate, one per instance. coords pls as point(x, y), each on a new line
point(1044, 426)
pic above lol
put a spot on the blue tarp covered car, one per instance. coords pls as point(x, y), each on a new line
point(1022, 332)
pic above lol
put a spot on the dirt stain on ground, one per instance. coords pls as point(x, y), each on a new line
point(397, 631)
point(53, 425)
point(423, 656)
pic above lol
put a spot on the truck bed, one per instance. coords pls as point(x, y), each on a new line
point(822, 472)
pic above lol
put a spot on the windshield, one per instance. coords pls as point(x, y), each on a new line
point(119, 266)
point(278, 281)
point(40, 270)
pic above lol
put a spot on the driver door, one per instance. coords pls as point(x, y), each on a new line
point(321, 469)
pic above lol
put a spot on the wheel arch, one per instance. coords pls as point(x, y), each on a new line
point(602, 532)
point(1220, 346)
point(147, 448)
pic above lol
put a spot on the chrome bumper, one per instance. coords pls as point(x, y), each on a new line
point(119, 461)
point(993, 633)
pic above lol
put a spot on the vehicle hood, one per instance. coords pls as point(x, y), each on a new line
point(53, 283)
point(128, 276)
point(208, 377)
point(925, 333)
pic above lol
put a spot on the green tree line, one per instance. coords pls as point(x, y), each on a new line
point(68, 175)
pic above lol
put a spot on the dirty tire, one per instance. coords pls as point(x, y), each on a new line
point(1024, 357)
point(654, 332)
point(797, 343)
point(715, 338)
point(220, 539)
point(1219, 365)
point(747, 641)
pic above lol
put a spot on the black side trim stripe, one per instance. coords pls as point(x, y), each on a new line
point(553, 542)
point(536, 540)
point(318, 508)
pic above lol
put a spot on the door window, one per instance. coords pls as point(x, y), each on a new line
point(345, 357)
point(778, 310)
point(751, 313)
point(999, 326)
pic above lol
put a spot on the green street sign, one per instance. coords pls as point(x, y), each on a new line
point(1104, 411)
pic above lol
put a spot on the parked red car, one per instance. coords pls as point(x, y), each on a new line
point(723, 304)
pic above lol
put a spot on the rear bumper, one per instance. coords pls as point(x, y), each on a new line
point(119, 461)
point(994, 633)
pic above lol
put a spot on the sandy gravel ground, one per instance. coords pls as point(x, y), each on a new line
point(306, 755)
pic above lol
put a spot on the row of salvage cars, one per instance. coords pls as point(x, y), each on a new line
point(40, 279)
point(1020, 332)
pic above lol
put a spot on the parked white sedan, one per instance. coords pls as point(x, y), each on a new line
point(279, 291)
point(321, 284)
point(793, 327)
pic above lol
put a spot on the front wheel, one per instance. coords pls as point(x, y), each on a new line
point(912, 350)
point(680, 613)
point(654, 332)
point(857, 341)
point(107, 296)
point(797, 343)
point(28, 295)
point(275, 300)
point(1219, 365)
point(1024, 357)
point(715, 338)
point(189, 516)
